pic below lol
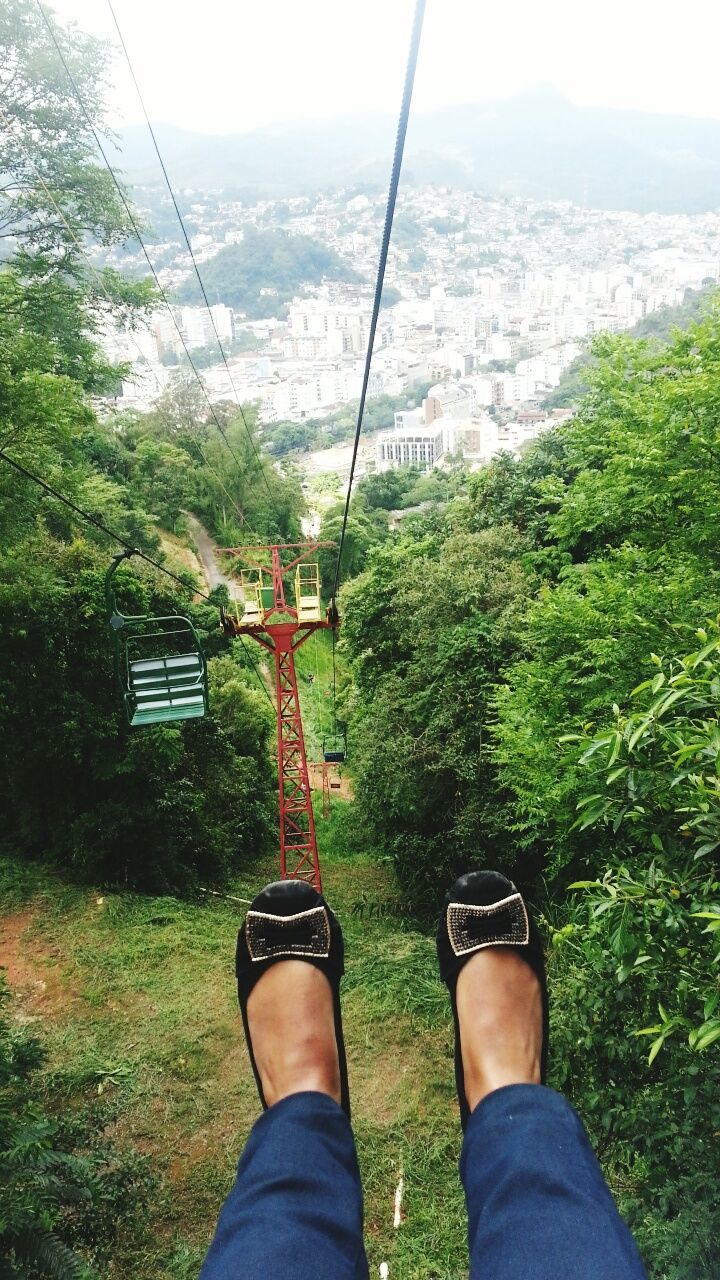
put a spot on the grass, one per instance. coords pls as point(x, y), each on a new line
point(134, 998)
point(316, 703)
point(138, 1012)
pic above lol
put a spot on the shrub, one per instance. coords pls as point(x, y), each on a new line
point(65, 1189)
point(635, 962)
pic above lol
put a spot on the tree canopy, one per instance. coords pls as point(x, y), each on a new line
point(265, 271)
point(535, 687)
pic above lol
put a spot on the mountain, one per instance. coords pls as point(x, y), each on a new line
point(535, 144)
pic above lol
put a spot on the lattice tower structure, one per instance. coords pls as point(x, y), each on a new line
point(281, 621)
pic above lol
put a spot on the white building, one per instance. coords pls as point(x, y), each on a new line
point(411, 446)
point(223, 318)
point(320, 320)
point(196, 327)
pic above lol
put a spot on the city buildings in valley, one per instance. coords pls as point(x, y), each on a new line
point(497, 297)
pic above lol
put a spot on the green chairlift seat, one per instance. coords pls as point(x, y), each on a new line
point(159, 662)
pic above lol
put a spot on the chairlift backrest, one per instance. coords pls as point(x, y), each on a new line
point(307, 592)
point(159, 663)
point(335, 749)
point(254, 603)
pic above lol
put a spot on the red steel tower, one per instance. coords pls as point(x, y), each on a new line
point(281, 627)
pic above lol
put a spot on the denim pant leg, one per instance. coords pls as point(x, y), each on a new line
point(538, 1204)
point(295, 1211)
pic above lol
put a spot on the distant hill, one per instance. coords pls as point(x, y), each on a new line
point(533, 144)
point(274, 260)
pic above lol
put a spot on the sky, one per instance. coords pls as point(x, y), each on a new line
point(231, 66)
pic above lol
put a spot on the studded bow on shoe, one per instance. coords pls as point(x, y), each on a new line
point(289, 920)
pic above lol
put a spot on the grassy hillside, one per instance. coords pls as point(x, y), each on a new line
point(134, 998)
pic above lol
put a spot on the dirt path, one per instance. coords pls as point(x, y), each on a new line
point(340, 783)
point(207, 551)
point(31, 969)
point(179, 555)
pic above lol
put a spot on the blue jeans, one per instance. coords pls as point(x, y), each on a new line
point(538, 1205)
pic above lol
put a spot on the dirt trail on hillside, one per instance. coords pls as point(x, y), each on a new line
point(31, 969)
point(207, 551)
point(340, 783)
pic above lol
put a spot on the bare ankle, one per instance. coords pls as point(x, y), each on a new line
point(291, 1021)
point(500, 1014)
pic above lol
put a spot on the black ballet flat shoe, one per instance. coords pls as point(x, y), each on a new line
point(484, 909)
point(290, 920)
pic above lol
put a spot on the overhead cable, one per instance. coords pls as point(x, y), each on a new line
point(136, 230)
point(385, 245)
point(189, 247)
point(98, 524)
point(259, 678)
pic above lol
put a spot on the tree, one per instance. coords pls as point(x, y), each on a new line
point(639, 1051)
point(54, 188)
point(262, 274)
point(425, 630)
point(64, 1187)
point(362, 532)
point(386, 489)
point(158, 809)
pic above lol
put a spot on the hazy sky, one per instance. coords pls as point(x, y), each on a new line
point(226, 66)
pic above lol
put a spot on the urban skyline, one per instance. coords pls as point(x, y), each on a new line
point(494, 299)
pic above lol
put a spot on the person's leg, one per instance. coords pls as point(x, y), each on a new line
point(295, 1211)
point(538, 1204)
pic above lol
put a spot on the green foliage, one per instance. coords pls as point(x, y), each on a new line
point(662, 325)
point(337, 427)
point(263, 273)
point(54, 190)
point(637, 960)
point(633, 504)
point(175, 458)
point(586, 639)
point(63, 1188)
point(204, 357)
point(390, 295)
point(157, 808)
point(364, 530)
point(486, 647)
point(645, 444)
point(426, 630)
point(445, 226)
point(664, 322)
point(385, 490)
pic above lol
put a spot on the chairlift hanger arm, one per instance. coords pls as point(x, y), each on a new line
point(110, 601)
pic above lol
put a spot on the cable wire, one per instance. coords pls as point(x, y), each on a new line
point(78, 243)
point(335, 729)
point(384, 248)
point(55, 493)
point(189, 246)
point(98, 276)
point(98, 524)
point(136, 230)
